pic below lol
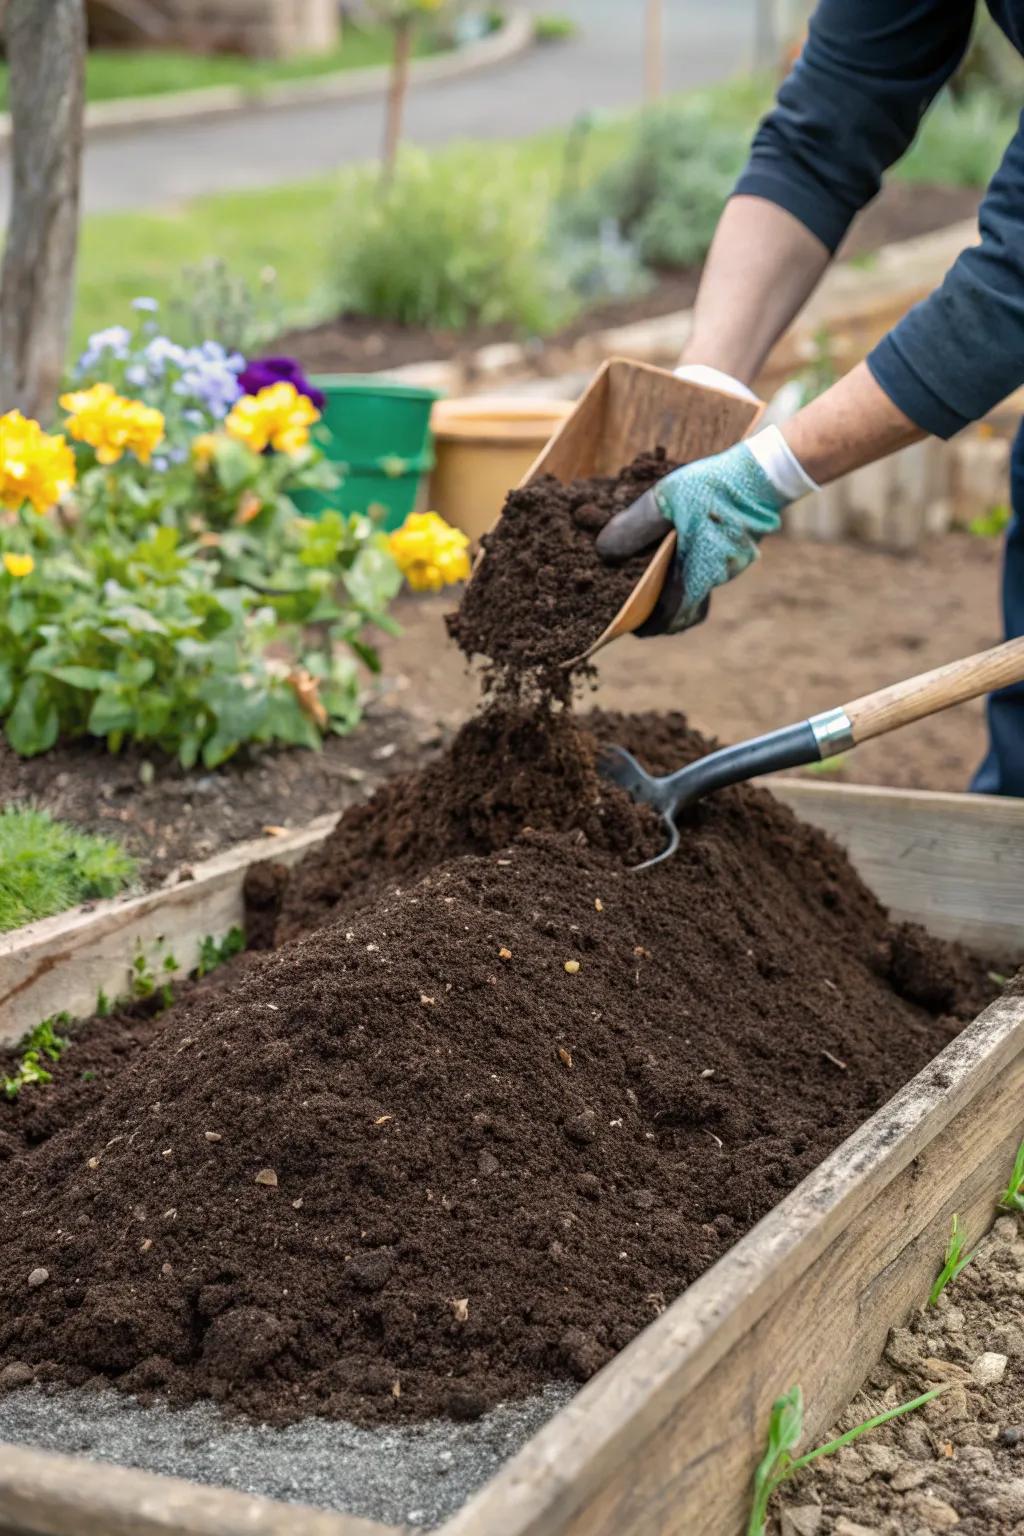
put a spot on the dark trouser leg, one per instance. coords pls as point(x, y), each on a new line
point(1002, 772)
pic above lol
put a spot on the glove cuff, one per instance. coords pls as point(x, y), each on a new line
point(714, 378)
point(781, 465)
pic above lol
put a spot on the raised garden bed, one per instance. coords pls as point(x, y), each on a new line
point(425, 1038)
point(671, 1428)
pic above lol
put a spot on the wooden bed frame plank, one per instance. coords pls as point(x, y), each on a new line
point(64, 962)
point(952, 862)
point(666, 1438)
point(42, 1494)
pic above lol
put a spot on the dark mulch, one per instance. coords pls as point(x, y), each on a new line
point(477, 1129)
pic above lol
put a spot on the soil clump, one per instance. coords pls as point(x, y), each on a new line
point(541, 594)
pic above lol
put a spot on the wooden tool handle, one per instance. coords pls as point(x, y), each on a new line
point(899, 704)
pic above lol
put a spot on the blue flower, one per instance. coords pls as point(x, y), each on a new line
point(161, 351)
point(116, 341)
point(147, 306)
point(210, 375)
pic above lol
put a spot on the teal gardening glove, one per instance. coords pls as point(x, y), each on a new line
point(721, 509)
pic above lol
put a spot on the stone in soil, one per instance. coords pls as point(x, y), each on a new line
point(958, 1464)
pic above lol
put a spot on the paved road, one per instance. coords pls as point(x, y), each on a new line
point(545, 88)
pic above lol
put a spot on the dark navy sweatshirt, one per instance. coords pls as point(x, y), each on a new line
point(849, 109)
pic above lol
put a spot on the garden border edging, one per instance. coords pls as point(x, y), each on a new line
point(107, 118)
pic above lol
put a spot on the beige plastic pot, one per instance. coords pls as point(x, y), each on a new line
point(483, 447)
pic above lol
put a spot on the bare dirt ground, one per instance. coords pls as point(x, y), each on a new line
point(810, 626)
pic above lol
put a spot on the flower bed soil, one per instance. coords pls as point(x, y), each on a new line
point(357, 343)
point(472, 1132)
point(170, 819)
point(957, 1464)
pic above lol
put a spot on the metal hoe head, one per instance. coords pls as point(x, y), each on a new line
point(622, 768)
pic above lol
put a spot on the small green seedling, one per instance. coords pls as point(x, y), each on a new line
point(104, 1006)
point(42, 1044)
point(828, 765)
point(1012, 1197)
point(213, 953)
point(998, 979)
point(143, 982)
point(990, 524)
point(784, 1430)
point(170, 967)
point(956, 1261)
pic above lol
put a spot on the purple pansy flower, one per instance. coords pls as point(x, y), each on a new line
point(261, 371)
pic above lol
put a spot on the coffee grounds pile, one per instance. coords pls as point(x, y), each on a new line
point(476, 1130)
point(542, 595)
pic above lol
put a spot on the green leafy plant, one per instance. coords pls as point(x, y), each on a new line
point(215, 952)
point(47, 866)
point(211, 299)
point(42, 1044)
point(553, 29)
point(828, 766)
point(785, 1428)
point(961, 141)
point(143, 981)
point(1012, 1197)
point(956, 1261)
point(665, 192)
point(448, 244)
point(991, 524)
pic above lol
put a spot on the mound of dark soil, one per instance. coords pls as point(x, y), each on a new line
point(542, 595)
point(471, 1134)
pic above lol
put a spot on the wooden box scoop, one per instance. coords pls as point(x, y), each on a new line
point(629, 407)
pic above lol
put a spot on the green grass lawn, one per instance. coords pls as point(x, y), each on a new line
point(111, 74)
point(47, 866)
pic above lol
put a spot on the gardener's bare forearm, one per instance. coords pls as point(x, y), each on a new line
point(762, 268)
point(851, 424)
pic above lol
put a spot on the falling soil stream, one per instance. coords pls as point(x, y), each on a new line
point(489, 1105)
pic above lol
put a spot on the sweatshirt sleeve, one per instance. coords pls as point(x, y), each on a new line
point(852, 105)
point(961, 351)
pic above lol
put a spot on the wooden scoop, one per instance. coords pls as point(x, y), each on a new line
point(631, 408)
point(819, 737)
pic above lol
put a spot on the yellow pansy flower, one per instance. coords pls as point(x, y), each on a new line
point(112, 424)
point(19, 565)
point(203, 448)
point(35, 466)
point(430, 553)
point(278, 417)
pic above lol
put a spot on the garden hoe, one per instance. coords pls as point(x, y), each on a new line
point(819, 737)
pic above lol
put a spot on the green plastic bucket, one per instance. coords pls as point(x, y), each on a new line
point(378, 433)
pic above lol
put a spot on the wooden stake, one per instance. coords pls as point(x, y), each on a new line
point(654, 50)
point(397, 89)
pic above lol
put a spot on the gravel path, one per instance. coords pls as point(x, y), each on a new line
point(416, 1476)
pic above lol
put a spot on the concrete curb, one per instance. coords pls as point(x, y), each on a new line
point(106, 118)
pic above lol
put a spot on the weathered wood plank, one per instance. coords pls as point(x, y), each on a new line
point(64, 962)
point(46, 1495)
point(952, 862)
point(666, 1438)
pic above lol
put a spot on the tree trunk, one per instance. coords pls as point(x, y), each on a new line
point(46, 60)
point(397, 88)
point(654, 50)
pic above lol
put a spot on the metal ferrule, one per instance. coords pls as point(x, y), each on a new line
point(833, 731)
